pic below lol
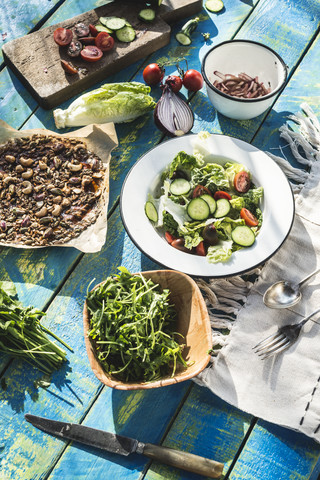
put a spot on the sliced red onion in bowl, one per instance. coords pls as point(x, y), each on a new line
point(172, 115)
point(242, 86)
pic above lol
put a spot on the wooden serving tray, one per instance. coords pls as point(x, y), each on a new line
point(36, 58)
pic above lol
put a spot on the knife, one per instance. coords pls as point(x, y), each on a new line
point(124, 446)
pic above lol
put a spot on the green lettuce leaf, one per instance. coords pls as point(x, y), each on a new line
point(211, 175)
point(183, 161)
point(219, 253)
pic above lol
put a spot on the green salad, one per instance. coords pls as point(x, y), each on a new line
point(206, 208)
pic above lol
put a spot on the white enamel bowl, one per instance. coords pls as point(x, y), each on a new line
point(252, 58)
point(277, 206)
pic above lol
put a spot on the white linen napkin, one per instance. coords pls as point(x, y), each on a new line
point(284, 389)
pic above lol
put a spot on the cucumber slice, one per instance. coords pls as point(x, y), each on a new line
point(198, 209)
point(223, 208)
point(243, 235)
point(151, 212)
point(210, 201)
point(180, 186)
point(214, 6)
point(147, 15)
point(126, 34)
point(114, 23)
point(183, 38)
point(102, 28)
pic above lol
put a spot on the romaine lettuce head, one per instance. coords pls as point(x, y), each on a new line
point(113, 102)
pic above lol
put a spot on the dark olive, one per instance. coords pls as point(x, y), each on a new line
point(178, 243)
point(179, 174)
point(210, 235)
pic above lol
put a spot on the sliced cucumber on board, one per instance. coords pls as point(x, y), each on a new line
point(214, 6)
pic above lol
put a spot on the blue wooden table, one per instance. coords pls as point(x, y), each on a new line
point(183, 416)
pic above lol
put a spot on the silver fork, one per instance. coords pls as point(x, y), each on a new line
point(282, 339)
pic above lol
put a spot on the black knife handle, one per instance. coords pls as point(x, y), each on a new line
point(184, 460)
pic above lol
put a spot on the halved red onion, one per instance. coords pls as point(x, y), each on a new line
point(172, 115)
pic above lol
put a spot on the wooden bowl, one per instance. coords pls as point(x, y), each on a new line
point(192, 322)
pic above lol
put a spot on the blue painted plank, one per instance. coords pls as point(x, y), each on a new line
point(19, 18)
point(274, 452)
point(205, 426)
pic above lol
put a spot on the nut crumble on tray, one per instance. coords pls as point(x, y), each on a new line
point(49, 189)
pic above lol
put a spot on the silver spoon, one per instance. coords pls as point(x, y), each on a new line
point(285, 294)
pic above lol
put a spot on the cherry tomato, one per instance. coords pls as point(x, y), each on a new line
point(81, 30)
point(242, 182)
point(74, 48)
point(94, 32)
point(192, 80)
point(201, 250)
point(62, 36)
point(88, 40)
point(178, 243)
point(248, 217)
point(174, 82)
point(153, 74)
point(91, 53)
point(70, 69)
point(200, 190)
point(104, 41)
point(169, 237)
point(221, 194)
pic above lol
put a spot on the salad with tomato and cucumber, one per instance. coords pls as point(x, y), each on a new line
point(206, 208)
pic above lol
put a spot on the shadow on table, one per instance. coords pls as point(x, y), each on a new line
point(24, 381)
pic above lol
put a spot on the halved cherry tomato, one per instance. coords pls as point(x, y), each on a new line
point(88, 40)
point(74, 48)
point(169, 237)
point(174, 82)
point(62, 36)
point(94, 32)
point(222, 194)
point(248, 217)
point(193, 80)
point(104, 41)
point(82, 30)
point(91, 53)
point(69, 68)
point(153, 74)
point(242, 181)
point(200, 190)
point(201, 250)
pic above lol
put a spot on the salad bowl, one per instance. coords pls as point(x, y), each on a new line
point(144, 181)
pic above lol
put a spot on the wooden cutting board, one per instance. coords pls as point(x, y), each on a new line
point(36, 58)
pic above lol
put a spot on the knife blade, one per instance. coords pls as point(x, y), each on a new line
point(122, 445)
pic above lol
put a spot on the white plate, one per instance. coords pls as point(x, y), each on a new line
point(277, 206)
